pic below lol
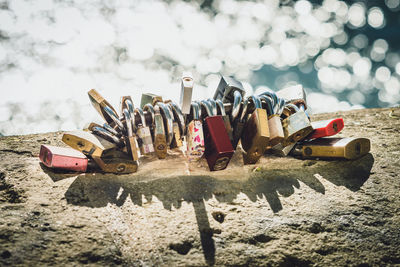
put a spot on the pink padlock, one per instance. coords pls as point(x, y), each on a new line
point(63, 158)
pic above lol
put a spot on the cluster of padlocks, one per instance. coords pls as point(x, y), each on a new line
point(272, 122)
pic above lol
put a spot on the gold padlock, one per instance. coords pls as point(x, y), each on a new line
point(255, 137)
point(325, 147)
point(87, 143)
point(296, 126)
point(178, 125)
point(159, 138)
point(273, 106)
point(118, 163)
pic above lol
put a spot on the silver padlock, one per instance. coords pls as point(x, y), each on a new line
point(144, 134)
point(186, 92)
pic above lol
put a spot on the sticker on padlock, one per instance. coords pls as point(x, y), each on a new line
point(326, 128)
point(195, 135)
point(63, 158)
point(150, 99)
point(144, 134)
point(226, 88)
point(105, 109)
point(239, 117)
point(225, 117)
point(186, 92)
point(218, 147)
point(331, 147)
point(296, 126)
point(160, 140)
point(88, 143)
point(178, 125)
point(255, 136)
point(272, 105)
point(118, 163)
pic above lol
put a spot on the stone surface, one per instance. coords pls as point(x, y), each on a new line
point(288, 212)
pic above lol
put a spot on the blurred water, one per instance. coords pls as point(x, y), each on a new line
point(345, 53)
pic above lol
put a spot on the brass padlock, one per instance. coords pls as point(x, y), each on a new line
point(130, 136)
point(105, 109)
point(160, 140)
point(168, 122)
point(255, 137)
point(226, 88)
point(225, 118)
point(118, 163)
point(178, 125)
point(296, 126)
point(325, 147)
point(186, 92)
point(87, 143)
point(274, 120)
point(143, 132)
point(195, 135)
point(239, 117)
point(150, 99)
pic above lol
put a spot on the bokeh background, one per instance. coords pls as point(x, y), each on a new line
point(345, 53)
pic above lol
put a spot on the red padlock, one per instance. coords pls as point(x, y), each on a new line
point(63, 158)
point(218, 147)
point(326, 128)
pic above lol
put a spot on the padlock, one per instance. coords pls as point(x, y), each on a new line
point(87, 143)
point(130, 136)
point(255, 136)
point(296, 126)
point(144, 134)
point(225, 117)
point(326, 128)
point(63, 158)
point(239, 122)
point(178, 125)
point(150, 99)
point(118, 163)
point(195, 135)
point(100, 131)
point(186, 92)
point(105, 109)
point(226, 88)
point(167, 121)
point(281, 150)
point(274, 120)
point(218, 147)
point(331, 147)
point(160, 140)
point(293, 94)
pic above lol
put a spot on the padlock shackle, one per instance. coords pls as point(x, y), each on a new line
point(178, 116)
point(207, 106)
point(213, 105)
point(106, 135)
point(292, 107)
point(221, 107)
point(236, 104)
point(167, 117)
point(114, 117)
point(255, 100)
point(282, 103)
point(141, 115)
point(128, 121)
point(194, 111)
point(244, 110)
point(268, 104)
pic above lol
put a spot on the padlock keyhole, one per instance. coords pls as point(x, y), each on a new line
point(80, 144)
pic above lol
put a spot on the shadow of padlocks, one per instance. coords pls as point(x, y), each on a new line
point(97, 190)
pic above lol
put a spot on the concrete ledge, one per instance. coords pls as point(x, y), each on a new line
point(290, 212)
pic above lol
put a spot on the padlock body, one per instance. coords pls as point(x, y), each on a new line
point(186, 94)
point(226, 89)
point(63, 158)
point(146, 142)
point(348, 148)
point(275, 130)
point(326, 128)
point(132, 147)
point(255, 137)
point(87, 143)
point(218, 147)
point(116, 164)
point(150, 99)
point(296, 127)
point(99, 103)
point(177, 141)
point(195, 140)
point(292, 94)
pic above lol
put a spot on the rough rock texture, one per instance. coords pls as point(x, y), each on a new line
point(288, 212)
